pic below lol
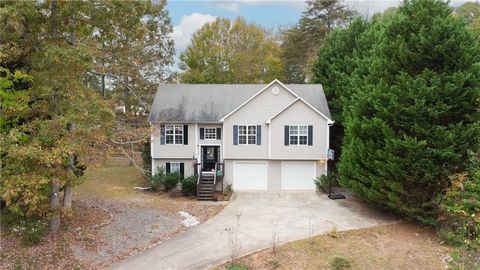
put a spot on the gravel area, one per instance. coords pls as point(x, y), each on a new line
point(128, 230)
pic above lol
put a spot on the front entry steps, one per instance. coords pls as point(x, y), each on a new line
point(206, 187)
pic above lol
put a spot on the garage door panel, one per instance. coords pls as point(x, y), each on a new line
point(250, 176)
point(298, 176)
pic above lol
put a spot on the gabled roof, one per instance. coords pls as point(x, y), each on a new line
point(211, 102)
point(299, 99)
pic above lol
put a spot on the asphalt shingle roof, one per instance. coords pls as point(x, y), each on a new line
point(211, 102)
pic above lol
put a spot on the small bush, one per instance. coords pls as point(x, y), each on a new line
point(30, 230)
point(459, 220)
point(323, 182)
point(275, 264)
point(236, 266)
point(147, 156)
point(171, 180)
point(334, 233)
point(229, 188)
point(157, 179)
point(189, 185)
point(339, 263)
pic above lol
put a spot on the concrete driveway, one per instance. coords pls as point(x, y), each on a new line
point(251, 221)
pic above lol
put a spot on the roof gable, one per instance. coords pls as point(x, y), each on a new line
point(299, 99)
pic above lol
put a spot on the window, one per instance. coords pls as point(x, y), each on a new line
point(210, 133)
point(247, 134)
point(174, 134)
point(175, 167)
point(298, 135)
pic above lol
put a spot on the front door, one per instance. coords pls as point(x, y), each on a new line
point(210, 155)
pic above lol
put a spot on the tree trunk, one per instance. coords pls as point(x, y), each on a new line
point(54, 204)
point(67, 190)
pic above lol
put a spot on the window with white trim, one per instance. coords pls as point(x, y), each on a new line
point(298, 135)
point(175, 167)
point(173, 134)
point(247, 134)
point(210, 133)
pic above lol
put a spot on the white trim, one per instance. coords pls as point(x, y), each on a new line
point(179, 166)
point(329, 121)
point(269, 142)
point(223, 140)
point(204, 132)
point(196, 142)
point(298, 162)
point(247, 134)
point(298, 135)
point(174, 134)
point(258, 93)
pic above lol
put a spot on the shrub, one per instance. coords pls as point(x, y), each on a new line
point(229, 188)
point(171, 180)
point(189, 185)
point(323, 182)
point(459, 220)
point(30, 230)
point(339, 263)
point(157, 179)
point(235, 266)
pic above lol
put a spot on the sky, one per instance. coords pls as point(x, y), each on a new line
point(189, 15)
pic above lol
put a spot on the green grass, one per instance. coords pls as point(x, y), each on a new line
point(110, 182)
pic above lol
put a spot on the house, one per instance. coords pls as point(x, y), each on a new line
point(252, 136)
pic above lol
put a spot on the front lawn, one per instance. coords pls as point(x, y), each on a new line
point(110, 221)
point(399, 246)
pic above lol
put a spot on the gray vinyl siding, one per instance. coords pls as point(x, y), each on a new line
point(255, 112)
point(299, 114)
point(274, 171)
point(168, 151)
point(188, 169)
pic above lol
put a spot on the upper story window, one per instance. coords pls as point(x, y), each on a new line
point(210, 133)
point(174, 134)
point(247, 134)
point(298, 135)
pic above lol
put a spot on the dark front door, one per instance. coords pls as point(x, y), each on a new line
point(210, 155)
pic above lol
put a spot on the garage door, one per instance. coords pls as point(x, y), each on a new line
point(250, 176)
point(298, 176)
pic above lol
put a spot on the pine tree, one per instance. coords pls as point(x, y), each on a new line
point(415, 112)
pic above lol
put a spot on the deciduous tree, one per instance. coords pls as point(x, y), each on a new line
point(231, 52)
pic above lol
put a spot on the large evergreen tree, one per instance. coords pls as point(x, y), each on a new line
point(415, 110)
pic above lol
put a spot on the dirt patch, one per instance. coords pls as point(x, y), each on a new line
point(399, 246)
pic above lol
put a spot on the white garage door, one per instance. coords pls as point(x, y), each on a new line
point(298, 176)
point(249, 176)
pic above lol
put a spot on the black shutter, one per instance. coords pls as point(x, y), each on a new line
point(162, 134)
point(287, 135)
point(235, 135)
point(167, 167)
point(310, 135)
point(202, 133)
point(185, 134)
point(219, 133)
point(259, 134)
point(182, 169)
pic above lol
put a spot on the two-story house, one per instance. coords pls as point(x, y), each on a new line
point(262, 137)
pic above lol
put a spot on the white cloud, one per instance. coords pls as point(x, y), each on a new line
point(183, 32)
point(233, 7)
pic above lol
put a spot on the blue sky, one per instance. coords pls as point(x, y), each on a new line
point(189, 15)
